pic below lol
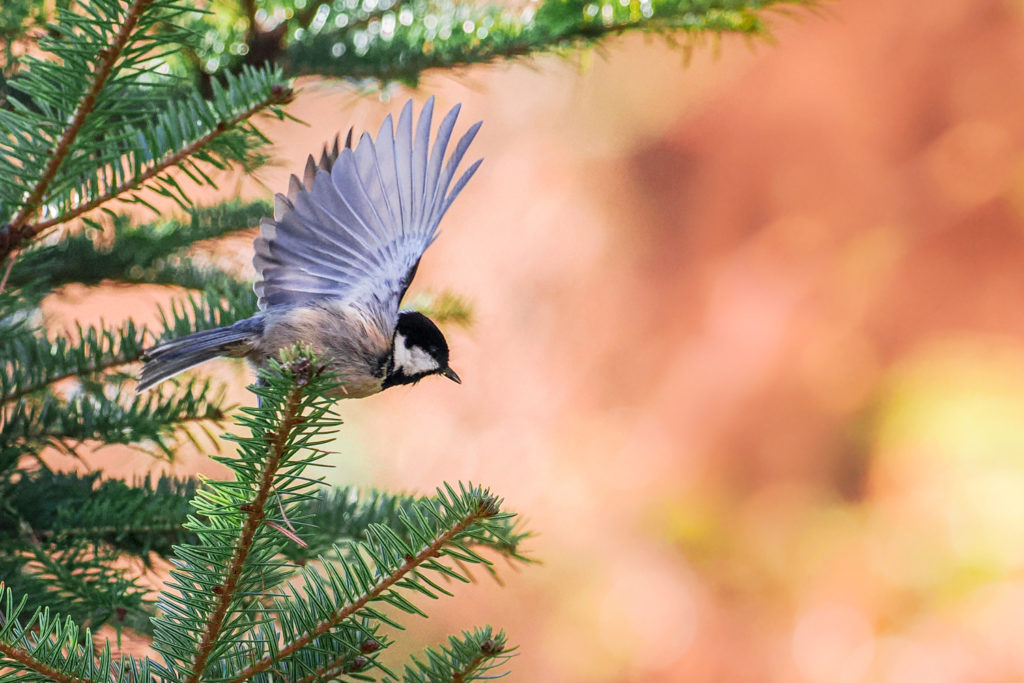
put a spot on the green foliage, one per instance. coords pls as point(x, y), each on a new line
point(446, 307)
point(99, 118)
point(411, 37)
point(397, 40)
point(47, 648)
point(55, 527)
point(345, 515)
point(92, 416)
point(233, 609)
point(152, 253)
point(470, 658)
point(17, 19)
point(84, 509)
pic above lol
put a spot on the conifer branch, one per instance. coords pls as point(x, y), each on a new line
point(17, 231)
point(35, 363)
point(344, 664)
point(49, 647)
point(429, 551)
point(292, 418)
point(109, 364)
point(447, 35)
point(278, 95)
point(470, 658)
point(24, 658)
point(91, 415)
point(347, 514)
point(466, 673)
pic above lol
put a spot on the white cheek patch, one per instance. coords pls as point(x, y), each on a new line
point(413, 360)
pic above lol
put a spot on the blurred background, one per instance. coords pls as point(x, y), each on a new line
point(748, 351)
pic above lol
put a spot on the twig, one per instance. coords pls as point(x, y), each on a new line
point(27, 660)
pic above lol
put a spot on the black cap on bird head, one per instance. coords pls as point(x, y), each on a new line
point(419, 350)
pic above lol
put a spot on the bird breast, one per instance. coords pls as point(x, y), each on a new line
point(353, 343)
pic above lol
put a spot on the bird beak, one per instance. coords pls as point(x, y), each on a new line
point(450, 374)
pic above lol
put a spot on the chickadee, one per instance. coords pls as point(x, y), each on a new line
point(338, 256)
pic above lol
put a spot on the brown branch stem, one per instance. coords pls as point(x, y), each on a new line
point(27, 660)
point(470, 668)
point(88, 370)
point(430, 550)
point(17, 230)
point(157, 168)
point(257, 513)
point(330, 672)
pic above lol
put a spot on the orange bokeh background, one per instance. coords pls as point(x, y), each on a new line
point(748, 351)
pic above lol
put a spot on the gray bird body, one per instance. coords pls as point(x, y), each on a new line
point(336, 259)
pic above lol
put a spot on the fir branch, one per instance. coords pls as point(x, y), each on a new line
point(34, 664)
point(32, 364)
point(62, 535)
point(443, 542)
point(82, 578)
point(277, 95)
point(207, 309)
point(208, 605)
point(137, 253)
point(423, 35)
point(470, 658)
point(27, 427)
point(347, 514)
point(17, 231)
point(81, 509)
point(291, 417)
point(49, 648)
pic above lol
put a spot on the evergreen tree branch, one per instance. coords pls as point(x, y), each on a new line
point(62, 535)
point(207, 309)
point(136, 253)
point(277, 95)
point(291, 417)
point(349, 661)
point(36, 363)
point(423, 35)
point(81, 509)
point(33, 664)
point(211, 604)
point(389, 578)
point(348, 514)
point(27, 427)
point(84, 581)
point(17, 231)
point(470, 658)
point(48, 648)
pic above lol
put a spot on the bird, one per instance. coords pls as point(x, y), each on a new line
point(336, 258)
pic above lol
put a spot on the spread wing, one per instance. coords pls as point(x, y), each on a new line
point(356, 226)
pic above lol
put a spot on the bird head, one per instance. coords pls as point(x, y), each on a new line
point(419, 350)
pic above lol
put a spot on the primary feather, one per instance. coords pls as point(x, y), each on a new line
point(355, 227)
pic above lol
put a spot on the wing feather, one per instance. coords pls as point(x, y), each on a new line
point(355, 225)
point(444, 133)
point(385, 170)
point(419, 161)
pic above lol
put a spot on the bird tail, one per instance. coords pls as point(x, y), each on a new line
point(168, 359)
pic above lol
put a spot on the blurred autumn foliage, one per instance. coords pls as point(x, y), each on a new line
point(748, 350)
